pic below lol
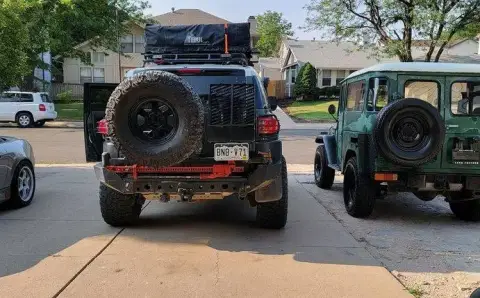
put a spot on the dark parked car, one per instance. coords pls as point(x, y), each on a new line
point(17, 175)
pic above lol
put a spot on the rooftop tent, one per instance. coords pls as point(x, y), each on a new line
point(202, 38)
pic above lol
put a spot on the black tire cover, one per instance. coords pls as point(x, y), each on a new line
point(179, 95)
point(409, 132)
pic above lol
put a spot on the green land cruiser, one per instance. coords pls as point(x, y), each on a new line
point(410, 127)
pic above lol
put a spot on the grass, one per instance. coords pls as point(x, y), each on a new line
point(416, 292)
point(310, 111)
point(69, 111)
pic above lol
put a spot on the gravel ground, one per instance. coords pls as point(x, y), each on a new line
point(422, 243)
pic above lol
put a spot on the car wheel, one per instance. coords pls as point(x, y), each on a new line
point(119, 209)
point(324, 176)
point(23, 185)
point(358, 191)
point(465, 210)
point(39, 123)
point(24, 120)
point(273, 215)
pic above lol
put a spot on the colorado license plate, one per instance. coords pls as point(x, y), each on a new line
point(230, 151)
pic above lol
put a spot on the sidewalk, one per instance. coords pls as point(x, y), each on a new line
point(287, 123)
point(182, 251)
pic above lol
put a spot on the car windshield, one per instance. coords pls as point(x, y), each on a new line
point(465, 98)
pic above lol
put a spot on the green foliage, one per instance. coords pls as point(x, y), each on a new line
point(64, 97)
point(13, 44)
point(271, 26)
point(33, 27)
point(389, 27)
point(306, 82)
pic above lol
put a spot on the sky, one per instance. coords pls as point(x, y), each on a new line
point(240, 10)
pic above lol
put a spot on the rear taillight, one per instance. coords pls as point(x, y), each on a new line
point(102, 127)
point(268, 125)
point(189, 71)
point(42, 108)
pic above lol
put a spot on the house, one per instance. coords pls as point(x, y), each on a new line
point(270, 68)
point(110, 67)
point(335, 61)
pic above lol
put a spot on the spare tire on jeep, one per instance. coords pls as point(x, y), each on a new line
point(155, 118)
point(409, 132)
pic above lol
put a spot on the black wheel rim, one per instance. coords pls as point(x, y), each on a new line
point(350, 188)
point(153, 120)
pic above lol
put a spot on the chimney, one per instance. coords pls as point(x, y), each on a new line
point(253, 24)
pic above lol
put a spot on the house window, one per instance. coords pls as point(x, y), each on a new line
point(139, 44)
point(88, 74)
point(99, 75)
point(85, 74)
point(98, 58)
point(327, 77)
point(126, 44)
point(340, 76)
point(355, 94)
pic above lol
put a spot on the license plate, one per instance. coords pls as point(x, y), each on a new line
point(230, 151)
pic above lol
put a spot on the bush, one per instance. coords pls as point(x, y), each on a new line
point(306, 84)
point(64, 97)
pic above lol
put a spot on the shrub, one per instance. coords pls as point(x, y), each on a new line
point(64, 97)
point(306, 84)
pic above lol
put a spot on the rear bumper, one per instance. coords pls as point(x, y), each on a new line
point(47, 116)
point(264, 179)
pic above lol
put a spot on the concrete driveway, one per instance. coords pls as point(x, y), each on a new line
point(60, 247)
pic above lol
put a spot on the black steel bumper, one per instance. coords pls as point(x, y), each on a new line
point(264, 178)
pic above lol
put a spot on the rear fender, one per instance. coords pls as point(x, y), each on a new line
point(331, 149)
point(362, 147)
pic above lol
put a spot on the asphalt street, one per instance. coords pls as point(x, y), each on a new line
point(66, 145)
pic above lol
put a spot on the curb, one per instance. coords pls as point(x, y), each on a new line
point(53, 124)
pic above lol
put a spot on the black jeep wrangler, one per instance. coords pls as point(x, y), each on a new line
point(194, 123)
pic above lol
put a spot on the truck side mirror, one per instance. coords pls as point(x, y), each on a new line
point(272, 103)
point(332, 110)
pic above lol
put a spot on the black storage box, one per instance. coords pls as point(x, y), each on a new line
point(205, 38)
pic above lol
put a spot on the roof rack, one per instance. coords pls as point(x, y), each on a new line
point(197, 44)
point(199, 58)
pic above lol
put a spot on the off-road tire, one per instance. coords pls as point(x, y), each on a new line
point(39, 123)
point(386, 119)
point(360, 201)
point(465, 210)
point(119, 209)
point(273, 215)
point(15, 199)
point(24, 114)
point(324, 176)
point(172, 89)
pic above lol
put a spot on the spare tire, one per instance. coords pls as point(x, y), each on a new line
point(155, 119)
point(409, 132)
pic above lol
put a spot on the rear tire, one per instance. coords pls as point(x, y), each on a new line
point(358, 191)
point(24, 120)
point(465, 210)
point(324, 176)
point(119, 209)
point(273, 215)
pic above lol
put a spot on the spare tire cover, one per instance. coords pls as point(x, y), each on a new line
point(409, 132)
point(155, 119)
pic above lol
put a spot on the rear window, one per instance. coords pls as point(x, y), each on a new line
point(425, 90)
point(46, 98)
point(465, 98)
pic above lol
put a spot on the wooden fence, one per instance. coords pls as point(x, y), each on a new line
point(75, 90)
point(276, 88)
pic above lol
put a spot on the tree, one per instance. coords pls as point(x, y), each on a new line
point(306, 83)
point(271, 27)
point(390, 27)
point(13, 44)
point(58, 26)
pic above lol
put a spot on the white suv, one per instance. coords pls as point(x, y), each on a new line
point(26, 108)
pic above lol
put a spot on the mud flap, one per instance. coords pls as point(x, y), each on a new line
point(270, 193)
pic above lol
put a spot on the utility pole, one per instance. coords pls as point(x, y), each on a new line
point(119, 47)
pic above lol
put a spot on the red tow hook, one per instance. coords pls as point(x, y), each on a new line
point(220, 171)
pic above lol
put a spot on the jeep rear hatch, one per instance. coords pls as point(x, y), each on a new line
point(228, 94)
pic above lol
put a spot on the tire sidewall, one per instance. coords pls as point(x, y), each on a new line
point(174, 91)
point(15, 197)
point(349, 173)
point(382, 129)
point(29, 117)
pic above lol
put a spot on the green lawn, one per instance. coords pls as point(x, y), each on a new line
point(69, 111)
point(311, 111)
